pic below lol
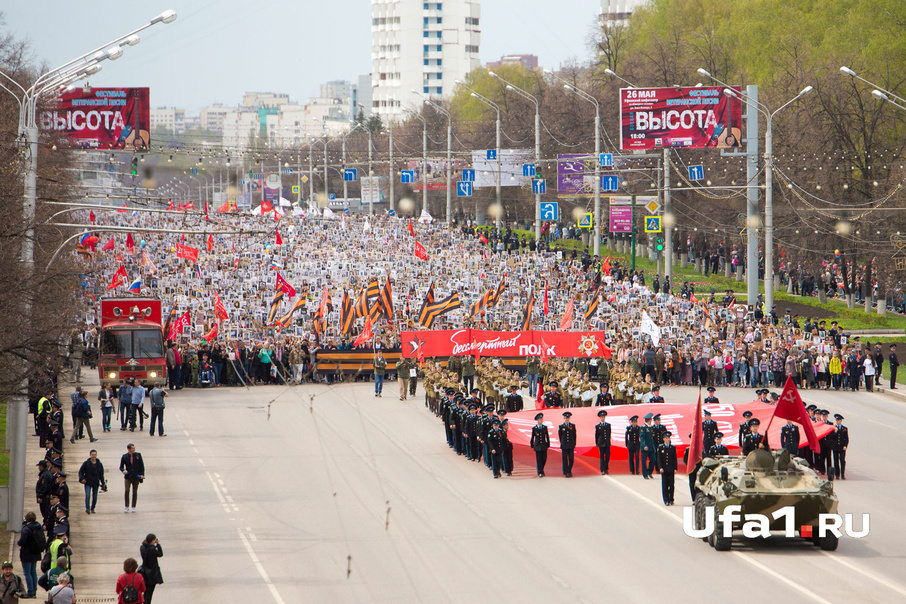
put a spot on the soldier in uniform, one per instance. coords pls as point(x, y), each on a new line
point(446, 411)
point(719, 448)
point(507, 445)
point(456, 422)
point(604, 397)
point(602, 441)
point(666, 454)
point(656, 395)
point(540, 443)
point(744, 427)
point(763, 395)
point(402, 374)
point(826, 444)
point(495, 446)
point(470, 433)
point(753, 439)
point(552, 397)
point(467, 366)
point(513, 399)
point(841, 442)
point(789, 437)
point(709, 429)
point(567, 435)
point(657, 433)
point(632, 444)
point(711, 399)
point(646, 443)
point(532, 366)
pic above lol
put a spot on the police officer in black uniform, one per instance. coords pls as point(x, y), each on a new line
point(632, 445)
point(711, 399)
point(744, 427)
point(602, 441)
point(567, 435)
point(514, 400)
point(841, 442)
point(789, 437)
point(604, 397)
point(540, 443)
point(506, 444)
point(753, 439)
point(666, 455)
point(894, 363)
point(656, 395)
point(552, 397)
point(709, 429)
point(657, 433)
point(495, 447)
point(719, 448)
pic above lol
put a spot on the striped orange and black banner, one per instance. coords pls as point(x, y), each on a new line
point(423, 311)
point(361, 305)
point(285, 319)
point(497, 294)
point(433, 311)
point(347, 314)
point(593, 303)
point(170, 318)
point(527, 312)
point(275, 306)
point(386, 300)
point(319, 328)
point(482, 303)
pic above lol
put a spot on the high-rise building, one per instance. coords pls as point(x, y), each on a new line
point(617, 12)
point(529, 62)
point(171, 119)
point(211, 118)
point(422, 46)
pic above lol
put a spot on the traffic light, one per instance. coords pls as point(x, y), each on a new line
point(134, 165)
point(659, 244)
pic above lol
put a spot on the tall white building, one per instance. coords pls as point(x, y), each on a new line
point(211, 118)
point(423, 46)
point(168, 118)
point(617, 12)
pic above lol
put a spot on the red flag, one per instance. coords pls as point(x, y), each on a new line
point(206, 208)
point(288, 289)
point(119, 277)
point(213, 333)
point(91, 216)
point(411, 228)
point(177, 326)
point(366, 333)
point(695, 447)
point(122, 209)
point(546, 307)
point(539, 402)
point(322, 309)
point(420, 251)
point(544, 357)
point(790, 406)
point(130, 243)
point(693, 299)
point(170, 205)
point(605, 267)
point(266, 206)
point(179, 206)
point(606, 351)
point(482, 238)
point(108, 246)
point(210, 243)
point(189, 206)
point(567, 320)
point(279, 238)
point(219, 309)
point(277, 215)
point(184, 251)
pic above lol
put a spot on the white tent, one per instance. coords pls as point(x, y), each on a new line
point(284, 202)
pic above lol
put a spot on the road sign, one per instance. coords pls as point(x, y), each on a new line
point(332, 196)
point(492, 154)
point(464, 188)
point(696, 173)
point(194, 171)
point(296, 189)
point(287, 171)
point(257, 176)
point(468, 175)
point(652, 206)
point(350, 174)
point(585, 221)
point(606, 160)
point(407, 176)
point(610, 183)
point(652, 224)
point(528, 170)
point(539, 186)
point(272, 181)
point(550, 210)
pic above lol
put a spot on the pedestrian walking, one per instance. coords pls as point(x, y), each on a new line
point(133, 468)
point(105, 400)
point(380, 368)
point(540, 443)
point(32, 542)
point(157, 396)
point(91, 475)
point(82, 415)
point(124, 395)
point(130, 585)
point(667, 463)
point(136, 408)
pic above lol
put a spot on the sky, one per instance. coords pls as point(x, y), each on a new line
point(218, 49)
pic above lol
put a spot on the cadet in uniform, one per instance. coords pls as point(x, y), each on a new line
point(552, 397)
point(753, 439)
point(540, 443)
point(789, 437)
point(709, 429)
point(711, 399)
point(602, 441)
point(719, 448)
point(567, 435)
point(656, 395)
point(657, 433)
point(841, 442)
point(744, 427)
point(604, 397)
point(825, 464)
point(646, 444)
point(666, 455)
point(632, 444)
point(446, 411)
point(495, 445)
point(514, 400)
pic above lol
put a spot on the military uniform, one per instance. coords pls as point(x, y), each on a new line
point(540, 443)
point(666, 455)
point(602, 441)
point(604, 398)
point(789, 438)
point(553, 399)
point(657, 434)
point(718, 450)
point(567, 435)
point(752, 441)
point(709, 429)
point(841, 443)
point(646, 444)
point(632, 446)
point(495, 447)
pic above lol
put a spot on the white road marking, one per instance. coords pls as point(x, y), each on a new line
point(267, 580)
point(191, 442)
point(866, 574)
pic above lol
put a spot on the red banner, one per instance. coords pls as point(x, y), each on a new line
point(697, 118)
point(477, 342)
point(102, 118)
point(184, 251)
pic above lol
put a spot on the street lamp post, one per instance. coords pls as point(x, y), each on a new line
point(449, 152)
point(526, 95)
point(492, 104)
point(424, 160)
point(345, 184)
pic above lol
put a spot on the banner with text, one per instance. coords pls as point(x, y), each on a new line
point(452, 342)
point(101, 118)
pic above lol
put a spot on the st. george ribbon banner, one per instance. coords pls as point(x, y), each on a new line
point(101, 118)
point(677, 418)
point(696, 118)
point(478, 342)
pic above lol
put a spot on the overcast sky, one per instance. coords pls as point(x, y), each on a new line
point(218, 49)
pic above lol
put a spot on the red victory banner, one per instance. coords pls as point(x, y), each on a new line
point(283, 284)
point(420, 251)
point(119, 277)
point(454, 342)
point(701, 117)
point(101, 118)
point(184, 251)
point(791, 407)
point(179, 324)
point(219, 309)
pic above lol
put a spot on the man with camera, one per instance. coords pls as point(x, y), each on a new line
point(133, 468)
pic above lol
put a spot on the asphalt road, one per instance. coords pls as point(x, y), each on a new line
point(269, 495)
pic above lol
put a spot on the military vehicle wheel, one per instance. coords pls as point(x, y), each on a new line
point(721, 543)
point(829, 542)
point(708, 501)
point(699, 505)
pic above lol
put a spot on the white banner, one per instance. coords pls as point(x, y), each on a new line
point(511, 162)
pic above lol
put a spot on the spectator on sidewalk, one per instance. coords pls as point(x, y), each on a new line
point(136, 409)
point(82, 414)
point(130, 580)
point(52, 577)
point(91, 474)
point(105, 400)
point(10, 585)
point(63, 593)
point(124, 394)
point(150, 551)
point(133, 468)
point(32, 542)
point(73, 408)
point(157, 396)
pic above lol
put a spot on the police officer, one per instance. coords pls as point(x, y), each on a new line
point(841, 442)
point(666, 455)
point(744, 427)
point(632, 444)
point(514, 400)
point(495, 447)
point(540, 443)
point(604, 397)
point(789, 437)
point(826, 444)
point(446, 409)
point(894, 364)
point(602, 441)
point(657, 433)
point(567, 435)
point(711, 399)
point(507, 445)
point(719, 448)
point(753, 439)
point(709, 429)
point(552, 397)
point(656, 395)
point(646, 444)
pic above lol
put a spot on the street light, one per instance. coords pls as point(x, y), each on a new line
point(424, 160)
point(629, 84)
point(526, 95)
point(371, 183)
point(497, 219)
point(449, 150)
point(345, 182)
point(586, 96)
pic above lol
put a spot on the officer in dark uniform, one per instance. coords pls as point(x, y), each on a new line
point(841, 442)
point(552, 397)
point(540, 443)
point(632, 444)
point(666, 455)
point(506, 444)
point(656, 395)
point(456, 421)
point(602, 441)
point(753, 439)
point(709, 429)
point(56, 435)
point(469, 431)
point(762, 395)
point(789, 437)
point(711, 399)
point(567, 434)
point(604, 398)
point(826, 443)
point(475, 397)
point(446, 409)
point(513, 400)
point(744, 427)
point(719, 448)
point(646, 446)
point(484, 452)
point(657, 434)
point(495, 447)
point(43, 487)
point(894, 363)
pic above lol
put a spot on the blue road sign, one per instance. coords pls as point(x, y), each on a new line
point(287, 171)
point(350, 174)
point(528, 169)
point(194, 171)
point(696, 173)
point(407, 176)
point(492, 154)
point(332, 196)
point(468, 175)
point(606, 160)
point(610, 183)
point(652, 224)
point(539, 186)
point(464, 188)
point(257, 176)
point(550, 210)
point(585, 221)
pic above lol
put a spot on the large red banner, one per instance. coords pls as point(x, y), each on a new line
point(695, 118)
point(102, 118)
point(478, 342)
point(678, 418)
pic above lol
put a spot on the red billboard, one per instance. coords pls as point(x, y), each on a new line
point(478, 342)
point(102, 118)
point(695, 118)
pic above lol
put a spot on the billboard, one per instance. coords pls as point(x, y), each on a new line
point(576, 174)
point(373, 189)
point(695, 118)
point(101, 118)
point(511, 162)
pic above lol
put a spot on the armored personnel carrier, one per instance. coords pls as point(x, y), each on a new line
point(762, 483)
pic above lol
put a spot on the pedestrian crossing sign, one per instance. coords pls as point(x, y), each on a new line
point(585, 221)
point(652, 224)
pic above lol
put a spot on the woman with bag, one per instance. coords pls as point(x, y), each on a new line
point(150, 551)
point(130, 585)
point(105, 398)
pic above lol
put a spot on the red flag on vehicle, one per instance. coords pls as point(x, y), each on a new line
point(108, 246)
point(695, 447)
point(411, 228)
point(279, 238)
point(119, 277)
point(288, 289)
point(790, 406)
point(366, 334)
point(420, 251)
point(210, 243)
point(184, 251)
point(130, 243)
point(219, 309)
